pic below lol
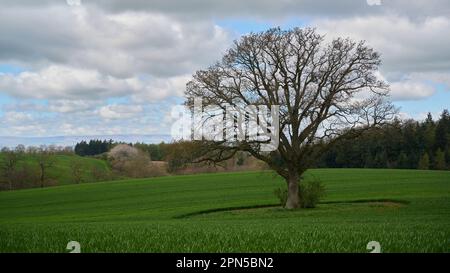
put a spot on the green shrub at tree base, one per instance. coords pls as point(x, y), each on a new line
point(309, 193)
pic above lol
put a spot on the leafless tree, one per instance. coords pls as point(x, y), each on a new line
point(76, 168)
point(8, 166)
point(325, 91)
point(99, 174)
point(20, 149)
point(45, 162)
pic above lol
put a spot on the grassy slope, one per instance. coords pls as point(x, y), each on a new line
point(61, 171)
point(141, 215)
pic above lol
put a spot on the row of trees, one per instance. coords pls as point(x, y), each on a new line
point(98, 147)
point(32, 150)
point(93, 147)
point(400, 144)
point(157, 152)
point(27, 167)
point(18, 172)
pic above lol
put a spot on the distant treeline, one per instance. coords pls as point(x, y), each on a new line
point(97, 147)
point(401, 144)
point(93, 147)
point(42, 149)
point(405, 144)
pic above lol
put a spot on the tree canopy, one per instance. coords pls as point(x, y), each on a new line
point(324, 90)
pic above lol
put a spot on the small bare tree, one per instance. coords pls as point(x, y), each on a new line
point(45, 162)
point(76, 168)
point(8, 166)
point(325, 92)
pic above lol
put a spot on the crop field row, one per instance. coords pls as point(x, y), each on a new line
point(404, 210)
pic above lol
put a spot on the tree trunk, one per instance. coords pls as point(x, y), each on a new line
point(293, 199)
point(42, 178)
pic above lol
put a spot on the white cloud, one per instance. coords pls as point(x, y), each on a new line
point(119, 44)
point(16, 117)
point(87, 54)
point(119, 111)
point(71, 106)
point(121, 119)
point(78, 60)
point(406, 46)
point(410, 90)
point(435, 77)
point(403, 115)
point(161, 88)
point(66, 83)
point(415, 54)
point(194, 9)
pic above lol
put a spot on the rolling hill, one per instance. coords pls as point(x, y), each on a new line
point(404, 210)
point(60, 172)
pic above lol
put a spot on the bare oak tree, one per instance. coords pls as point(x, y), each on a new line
point(325, 92)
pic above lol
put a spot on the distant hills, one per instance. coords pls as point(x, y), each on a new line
point(13, 141)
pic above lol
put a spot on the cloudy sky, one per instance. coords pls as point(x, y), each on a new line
point(104, 67)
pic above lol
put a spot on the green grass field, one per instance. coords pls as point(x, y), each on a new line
point(61, 172)
point(404, 210)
